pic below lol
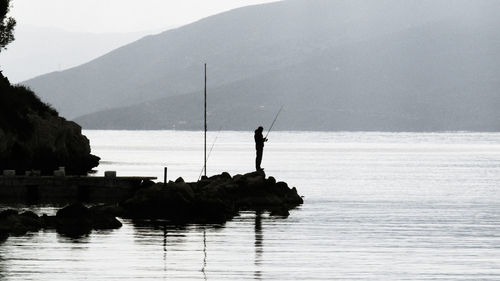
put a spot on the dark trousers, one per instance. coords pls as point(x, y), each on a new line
point(258, 159)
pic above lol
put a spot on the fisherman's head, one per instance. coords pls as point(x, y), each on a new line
point(260, 129)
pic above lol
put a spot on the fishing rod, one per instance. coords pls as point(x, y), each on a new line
point(275, 118)
point(210, 152)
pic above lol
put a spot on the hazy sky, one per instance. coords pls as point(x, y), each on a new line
point(119, 15)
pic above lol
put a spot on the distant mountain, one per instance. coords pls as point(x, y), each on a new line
point(416, 65)
point(422, 79)
point(39, 50)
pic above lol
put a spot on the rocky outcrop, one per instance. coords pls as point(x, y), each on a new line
point(215, 199)
point(34, 137)
point(211, 200)
point(73, 220)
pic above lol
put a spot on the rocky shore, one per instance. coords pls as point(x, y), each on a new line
point(211, 200)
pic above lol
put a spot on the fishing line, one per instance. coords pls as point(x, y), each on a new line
point(210, 152)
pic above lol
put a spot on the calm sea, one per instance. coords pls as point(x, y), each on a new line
point(378, 206)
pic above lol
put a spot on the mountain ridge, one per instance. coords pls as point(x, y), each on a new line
point(409, 110)
point(353, 47)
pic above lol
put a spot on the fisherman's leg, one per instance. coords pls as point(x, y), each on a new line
point(258, 160)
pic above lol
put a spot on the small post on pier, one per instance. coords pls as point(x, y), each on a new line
point(205, 150)
point(165, 176)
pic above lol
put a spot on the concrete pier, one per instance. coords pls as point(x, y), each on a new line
point(66, 189)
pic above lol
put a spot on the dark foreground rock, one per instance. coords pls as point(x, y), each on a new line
point(77, 219)
point(13, 223)
point(73, 220)
point(215, 199)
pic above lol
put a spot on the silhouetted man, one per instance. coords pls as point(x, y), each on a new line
point(259, 147)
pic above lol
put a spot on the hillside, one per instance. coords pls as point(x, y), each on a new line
point(49, 49)
point(336, 65)
point(34, 136)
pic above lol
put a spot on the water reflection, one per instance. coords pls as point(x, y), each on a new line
point(259, 238)
point(148, 233)
point(75, 242)
point(175, 244)
point(165, 248)
point(2, 262)
point(204, 254)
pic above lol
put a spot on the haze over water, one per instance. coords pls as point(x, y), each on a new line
point(412, 206)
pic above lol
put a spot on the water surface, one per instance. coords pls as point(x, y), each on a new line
point(387, 206)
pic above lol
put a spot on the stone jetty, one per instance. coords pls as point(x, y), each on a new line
point(62, 189)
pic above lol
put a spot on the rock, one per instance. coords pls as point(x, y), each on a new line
point(271, 181)
point(30, 214)
point(30, 221)
point(255, 179)
point(13, 223)
point(237, 177)
point(212, 200)
point(77, 220)
point(171, 202)
point(3, 236)
point(113, 209)
point(74, 220)
point(7, 213)
point(280, 212)
point(103, 220)
point(48, 221)
point(226, 175)
point(183, 189)
point(212, 211)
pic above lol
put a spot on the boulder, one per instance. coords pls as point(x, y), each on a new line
point(280, 212)
point(101, 219)
point(48, 222)
point(30, 221)
point(3, 236)
point(11, 222)
point(76, 220)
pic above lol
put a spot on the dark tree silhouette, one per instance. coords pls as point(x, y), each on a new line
point(7, 24)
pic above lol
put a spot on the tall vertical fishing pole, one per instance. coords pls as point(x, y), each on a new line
point(205, 163)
